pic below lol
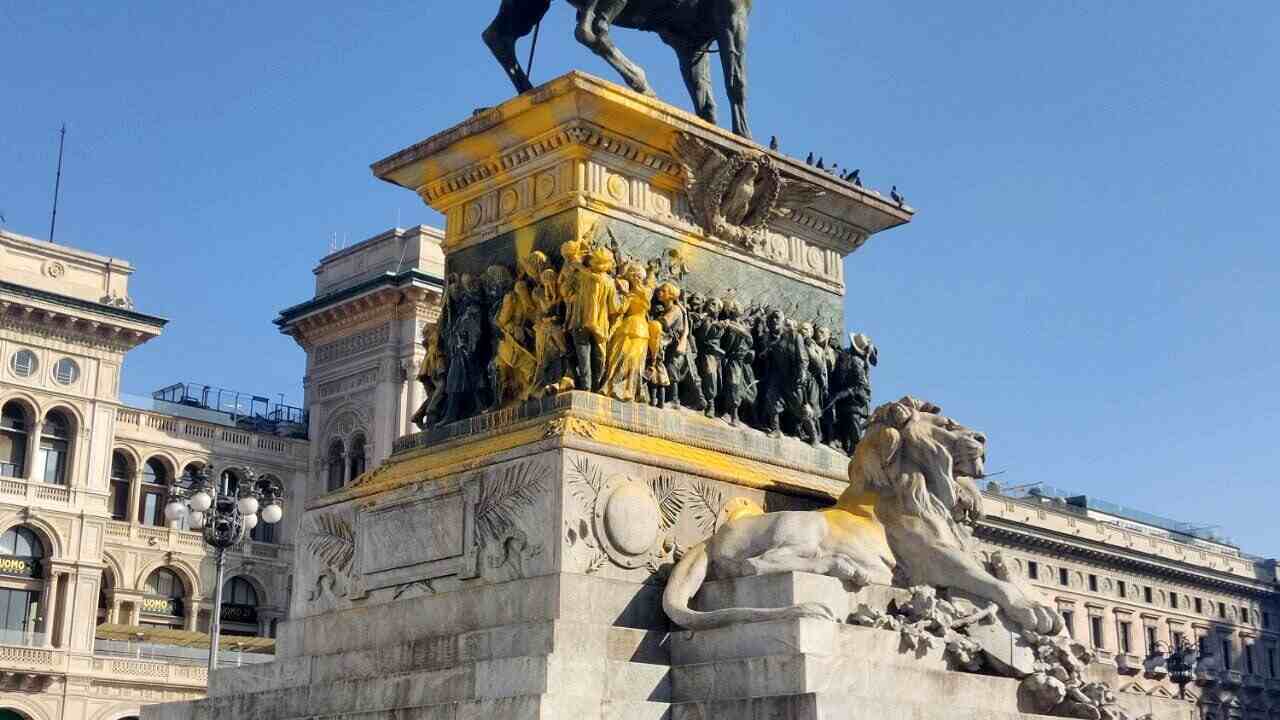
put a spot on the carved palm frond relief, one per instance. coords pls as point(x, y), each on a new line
point(332, 542)
point(706, 506)
point(672, 498)
point(503, 497)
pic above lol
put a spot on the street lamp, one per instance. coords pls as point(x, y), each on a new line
point(1182, 666)
point(224, 519)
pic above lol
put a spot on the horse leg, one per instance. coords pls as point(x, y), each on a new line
point(593, 31)
point(695, 66)
point(515, 19)
point(733, 57)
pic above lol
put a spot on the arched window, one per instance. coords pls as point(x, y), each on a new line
point(121, 477)
point(156, 479)
point(239, 607)
point(162, 605)
point(55, 447)
point(336, 468)
point(191, 471)
point(21, 559)
point(357, 457)
point(13, 440)
point(229, 483)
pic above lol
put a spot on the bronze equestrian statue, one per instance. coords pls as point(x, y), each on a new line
point(690, 27)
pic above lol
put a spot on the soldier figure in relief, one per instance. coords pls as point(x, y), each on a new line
point(629, 339)
point(710, 354)
point(465, 329)
point(590, 305)
point(739, 355)
point(679, 356)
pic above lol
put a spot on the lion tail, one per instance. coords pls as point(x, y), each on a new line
point(687, 578)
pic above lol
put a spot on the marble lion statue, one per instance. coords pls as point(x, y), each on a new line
point(907, 510)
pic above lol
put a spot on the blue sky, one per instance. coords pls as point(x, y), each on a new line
point(1091, 278)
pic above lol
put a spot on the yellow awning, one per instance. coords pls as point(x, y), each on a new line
point(183, 638)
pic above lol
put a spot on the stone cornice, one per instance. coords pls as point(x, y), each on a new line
point(73, 303)
point(577, 118)
point(1015, 534)
point(99, 333)
point(375, 287)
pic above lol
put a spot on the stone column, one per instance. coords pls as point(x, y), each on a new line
point(68, 613)
point(135, 496)
point(49, 605)
point(191, 608)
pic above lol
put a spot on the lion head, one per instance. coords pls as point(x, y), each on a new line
point(925, 460)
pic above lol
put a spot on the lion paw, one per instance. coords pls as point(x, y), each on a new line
point(1036, 617)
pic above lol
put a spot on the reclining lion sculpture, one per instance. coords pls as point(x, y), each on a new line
point(906, 513)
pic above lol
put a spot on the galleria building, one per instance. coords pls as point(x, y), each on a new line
point(105, 608)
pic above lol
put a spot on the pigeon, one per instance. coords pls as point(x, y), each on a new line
point(897, 197)
point(809, 160)
point(821, 166)
point(855, 176)
point(773, 142)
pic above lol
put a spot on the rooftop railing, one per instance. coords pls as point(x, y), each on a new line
point(242, 407)
point(1081, 503)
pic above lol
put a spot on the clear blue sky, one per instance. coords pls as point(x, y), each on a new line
point(1091, 278)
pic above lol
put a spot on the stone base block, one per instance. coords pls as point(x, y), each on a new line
point(787, 589)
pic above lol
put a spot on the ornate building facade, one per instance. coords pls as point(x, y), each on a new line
point(1131, 586)
point(362, 333)
point(85, 554)
point(98, 594)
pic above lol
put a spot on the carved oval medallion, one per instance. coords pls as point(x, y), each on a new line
point(471, 216)
point(628, 520)
point(508, 201)
point(617, 188)
point(546, 186)
point(631, 518)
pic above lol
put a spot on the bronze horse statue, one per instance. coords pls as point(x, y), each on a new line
point(690, 27)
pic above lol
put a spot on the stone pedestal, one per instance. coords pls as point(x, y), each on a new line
point(510, 564)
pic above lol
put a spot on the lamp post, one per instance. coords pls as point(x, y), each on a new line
point(1182, 666)
point(224, 519)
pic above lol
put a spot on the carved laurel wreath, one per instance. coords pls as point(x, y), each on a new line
point(750, 232)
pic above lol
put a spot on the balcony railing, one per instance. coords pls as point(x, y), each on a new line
point(174, 654)
point(119, 532)
point(19, 489)
point(23, 638)
point(140, 421)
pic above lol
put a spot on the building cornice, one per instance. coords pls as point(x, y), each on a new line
point(1018, 534)
point(290, 316)
point(110, 311)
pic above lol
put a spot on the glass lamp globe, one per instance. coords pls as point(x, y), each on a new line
point(201, 501)
point(174, 511)
point(250, 521)
point(248, 505)
point(196, 520)
point(272, 513)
